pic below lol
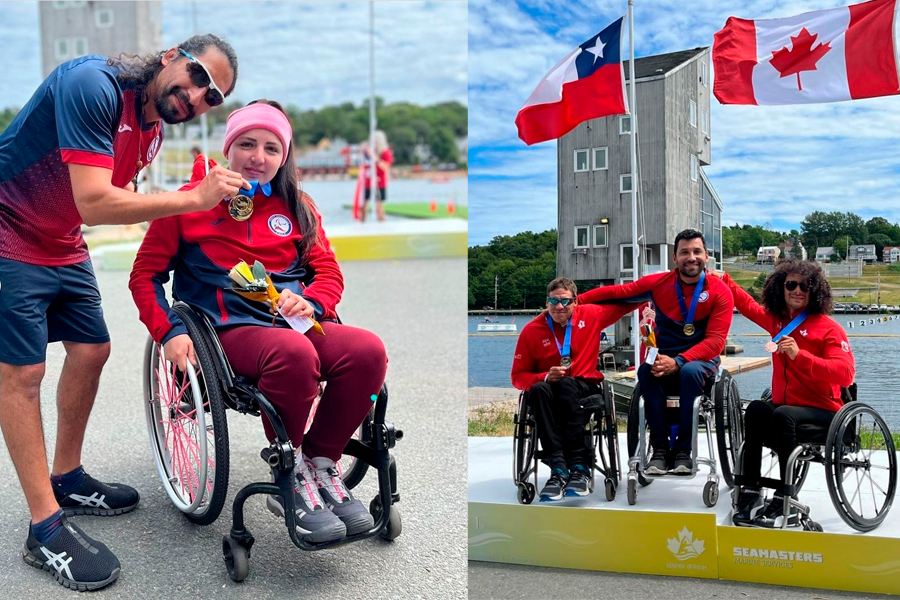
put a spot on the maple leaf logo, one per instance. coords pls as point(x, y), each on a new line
point(802, 57)
point(685, 547)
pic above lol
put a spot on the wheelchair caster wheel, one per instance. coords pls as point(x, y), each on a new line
point(610, 490)
point(711, 493)
point(237, 558)
point(632, 491)
point(394, 527)
point(810, 525)
point(525, 493)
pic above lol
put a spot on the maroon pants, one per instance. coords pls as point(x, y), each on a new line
point(289, 365)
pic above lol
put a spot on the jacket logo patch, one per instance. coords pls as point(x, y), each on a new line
point(580, 324)
point(154, 147)
point(546, 343)
point(845, 346)
point(704, 296)
point(803, 332)
point(280, 225)
point(216, 222)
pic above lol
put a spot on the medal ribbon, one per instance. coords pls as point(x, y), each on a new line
point(688, 315)
point(564, 349)
point(266, 189)
point(790, 326)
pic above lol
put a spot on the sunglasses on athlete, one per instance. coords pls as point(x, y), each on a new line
point(563, 301)
point(201, 77)
point(792, 285)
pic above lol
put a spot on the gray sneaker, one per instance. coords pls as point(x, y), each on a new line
point(314, 522)
point(337, 497)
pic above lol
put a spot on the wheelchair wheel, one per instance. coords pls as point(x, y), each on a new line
point(188, 431)
point(860, 466)
point(525, 493)
point(524, 443)
point(729, 425)
point(634, 434)
point(610, 433)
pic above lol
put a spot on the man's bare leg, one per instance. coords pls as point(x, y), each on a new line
point(379, 208)
point(364, 212)
point(75, 396)
point(20, 420)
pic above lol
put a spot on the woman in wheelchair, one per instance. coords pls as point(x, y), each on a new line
point(811, 362)
point(284, 232)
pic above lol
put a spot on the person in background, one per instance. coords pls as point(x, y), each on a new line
point(384, 158)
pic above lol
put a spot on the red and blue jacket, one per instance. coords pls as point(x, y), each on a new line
point(824, 364)
point(202, 247)
point(79, 115)
point(712, 318)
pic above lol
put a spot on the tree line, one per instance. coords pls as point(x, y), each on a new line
point(405, 125)
point(523, 264)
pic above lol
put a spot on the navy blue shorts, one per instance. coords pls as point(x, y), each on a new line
point(40, 305)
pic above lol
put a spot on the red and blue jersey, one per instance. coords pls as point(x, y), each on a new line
point(712, 318)
point(79, 115)
point(202, 247)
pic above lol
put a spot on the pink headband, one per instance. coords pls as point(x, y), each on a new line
point(258, 116)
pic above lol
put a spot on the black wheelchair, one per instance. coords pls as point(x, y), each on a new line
point(189, 441)
point(718, 407)
point(600, 435)
point(859, 455)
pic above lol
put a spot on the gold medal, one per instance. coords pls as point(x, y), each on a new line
point(689, 329)
point(566, 362)
point(240, 207)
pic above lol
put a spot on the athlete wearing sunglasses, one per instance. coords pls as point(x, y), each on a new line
point(201, 77)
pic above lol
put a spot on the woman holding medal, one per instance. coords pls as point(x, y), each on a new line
point(811, 361)
point(279, 226)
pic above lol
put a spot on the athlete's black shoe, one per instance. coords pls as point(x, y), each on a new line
point(579, 483)
point(658, 464)
point(75, 560)
point(751, 504)
point(553, 489)
point(773, 516)
point(94, 497)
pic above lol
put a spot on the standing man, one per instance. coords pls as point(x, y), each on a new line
point(71, 156)
point(556, 362)
point(693, 315)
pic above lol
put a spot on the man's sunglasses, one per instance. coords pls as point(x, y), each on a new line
point(792, 285)
point(563, 301)
point(201, 77)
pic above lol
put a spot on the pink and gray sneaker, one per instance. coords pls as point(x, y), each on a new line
point(336, 495)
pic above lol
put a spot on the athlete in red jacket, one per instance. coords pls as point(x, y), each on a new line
point(284, 232)
point(556, 362)
point(811, 361)
point(693, 314)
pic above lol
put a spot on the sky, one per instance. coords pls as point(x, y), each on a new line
point(770, 165)
point(310, 54)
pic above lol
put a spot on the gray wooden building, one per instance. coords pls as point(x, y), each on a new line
point(594, 176)
point(76, 28)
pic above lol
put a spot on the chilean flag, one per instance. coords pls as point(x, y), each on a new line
point(586, 84)
point(824, 56)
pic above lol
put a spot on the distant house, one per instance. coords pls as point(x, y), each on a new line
point(767, 255)
point(862, 252)
point(824, 253)
point(891, 254)
point(787, 249)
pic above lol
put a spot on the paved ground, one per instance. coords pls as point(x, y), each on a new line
point(416, 307)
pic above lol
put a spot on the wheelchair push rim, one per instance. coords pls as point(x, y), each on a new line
point(860, 466)
point(176, 410)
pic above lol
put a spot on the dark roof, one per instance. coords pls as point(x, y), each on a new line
point(659, 64)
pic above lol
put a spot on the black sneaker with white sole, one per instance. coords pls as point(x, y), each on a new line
point(553, 489)
point(658, 464)
point(337, 496)
point(751, 504)
point(683, 464)
point(94, 497)
point(579, 483)
point(75, 560)
point(773, 515)
point(314, 521)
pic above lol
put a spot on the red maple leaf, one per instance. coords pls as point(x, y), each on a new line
point(802, 57)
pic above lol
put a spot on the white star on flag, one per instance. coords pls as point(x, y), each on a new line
point(597, 50)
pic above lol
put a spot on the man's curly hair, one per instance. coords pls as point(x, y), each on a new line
point(820, 301)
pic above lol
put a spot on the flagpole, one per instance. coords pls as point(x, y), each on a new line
point(373, 156)
point(635, 264)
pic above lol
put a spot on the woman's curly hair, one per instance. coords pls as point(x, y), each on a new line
point(820, 301)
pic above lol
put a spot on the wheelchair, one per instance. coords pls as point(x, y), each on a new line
point(859, 455)
point(189, 442)
point(719, 407)
point(600, 435)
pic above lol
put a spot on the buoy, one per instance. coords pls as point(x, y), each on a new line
point(433, 207)
point(450, 207)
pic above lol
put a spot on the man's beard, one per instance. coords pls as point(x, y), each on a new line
point(699, 266)
point(168, 111)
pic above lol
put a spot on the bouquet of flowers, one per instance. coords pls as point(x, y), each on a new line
point(254, 283)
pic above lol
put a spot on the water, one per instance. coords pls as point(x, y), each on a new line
point(490, 361)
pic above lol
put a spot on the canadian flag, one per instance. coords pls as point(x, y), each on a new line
point(824, 56)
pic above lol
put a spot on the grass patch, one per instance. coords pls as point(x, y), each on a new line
point(486, 421)
point(422, 210)
point(875, 440)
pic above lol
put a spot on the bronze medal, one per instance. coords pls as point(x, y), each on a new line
point(689, 329)
point(240, 207)
point(566, 362)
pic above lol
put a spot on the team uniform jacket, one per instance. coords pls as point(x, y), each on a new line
point(824, 364)
point(536, 351)
point(202, 248)
point(712, 318)
point(79, 115)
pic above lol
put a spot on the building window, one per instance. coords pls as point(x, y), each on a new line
point(704, 73)
point(704, 121)
point(694, 168)
point(626, 260)
point(581, 236)
point(581, 161)
point(624, 124)
point(625, 184)
point(81, 46)
point(693, 114)
point(600, 240)
point(103, 18)
point(61, 49)
point(600, 163)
